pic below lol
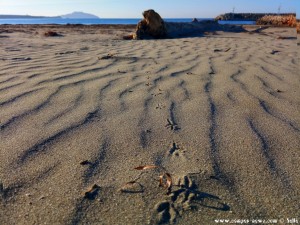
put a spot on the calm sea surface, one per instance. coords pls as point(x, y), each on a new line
point(103, 21)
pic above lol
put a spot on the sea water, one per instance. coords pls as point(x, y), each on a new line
point(103, 21)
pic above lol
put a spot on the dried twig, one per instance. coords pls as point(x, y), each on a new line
point(167, 184)
point(165, 180)
point(146, 167)
point(108, 56)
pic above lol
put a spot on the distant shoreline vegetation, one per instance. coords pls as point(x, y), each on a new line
point(249, 16)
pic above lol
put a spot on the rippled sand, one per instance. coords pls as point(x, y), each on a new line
point(219, 112)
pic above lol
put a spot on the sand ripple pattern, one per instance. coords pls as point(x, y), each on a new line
point(220, 107)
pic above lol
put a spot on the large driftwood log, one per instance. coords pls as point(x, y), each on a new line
point(189, 29)
point(154, 27)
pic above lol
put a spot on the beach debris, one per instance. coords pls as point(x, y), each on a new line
point(280, 37)
point(108, 56)
point(165, 180)
point(91, 192)
point(273, 52)
point(154, 27)
point(221, 50)
point(21, 59)
point(146, 167)
point(16, 59)
point(12, 50)
point(42, 197)
point(71, 52)
point(120, 71)
point(52, 34)
point(128, 37)
point(278, 20)
point(84, 48)
point(210, 33)
point(64, 53)
point(286, 38)
point(85, 162)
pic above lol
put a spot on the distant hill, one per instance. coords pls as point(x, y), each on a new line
point(79, 15)
point(74, 15)
point(26, 17)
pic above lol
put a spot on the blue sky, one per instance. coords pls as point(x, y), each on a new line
point(134, 8)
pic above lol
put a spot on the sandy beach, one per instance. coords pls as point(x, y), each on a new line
point(218, 112)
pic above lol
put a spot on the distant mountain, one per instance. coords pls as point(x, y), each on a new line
point(27, 17)
point(79, 15)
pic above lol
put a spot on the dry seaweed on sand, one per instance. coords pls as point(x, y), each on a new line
point(165, 180)
point(146, 167)
point(279, 20)
point(51, 33)
point(108, 56)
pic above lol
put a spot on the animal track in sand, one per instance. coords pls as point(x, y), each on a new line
point(176, 150)
point(186, 198)
point(172, 125)
point(160, 106)
point(156, 94)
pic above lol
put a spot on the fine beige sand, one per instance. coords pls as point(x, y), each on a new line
point(219, 112)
